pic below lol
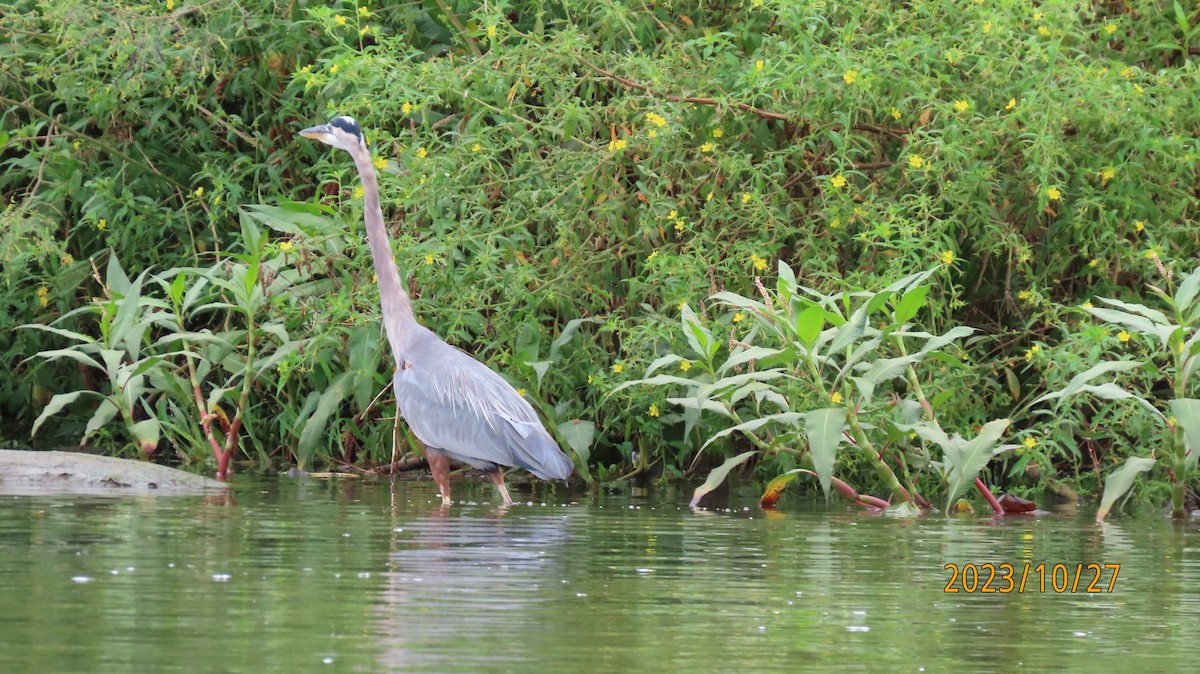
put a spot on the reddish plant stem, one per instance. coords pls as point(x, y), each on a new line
point(987, 494)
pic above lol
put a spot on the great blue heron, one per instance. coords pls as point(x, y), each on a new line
point(458, 407)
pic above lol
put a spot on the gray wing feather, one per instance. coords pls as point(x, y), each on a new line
point(454, 403)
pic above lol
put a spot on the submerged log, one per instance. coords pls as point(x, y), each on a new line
point(36, 472)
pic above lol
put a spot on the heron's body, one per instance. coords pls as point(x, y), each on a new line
point(456, 406)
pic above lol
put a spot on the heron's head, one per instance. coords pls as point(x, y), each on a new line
point(341, 132)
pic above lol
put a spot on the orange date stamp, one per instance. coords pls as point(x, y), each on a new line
point(1029, 577)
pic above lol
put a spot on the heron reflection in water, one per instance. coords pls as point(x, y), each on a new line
point(456, 406)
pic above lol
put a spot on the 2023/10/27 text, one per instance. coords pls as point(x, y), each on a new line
point(1041, 577)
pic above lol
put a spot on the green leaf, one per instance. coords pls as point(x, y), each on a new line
point(702, 404)
point(1080, 380)
point(73, 354)
point(669, 359)
point(114, 276)
point(1186, 294)
point(717, 476)
point(824, 431)
point(743, 355)
point(1120, 480)
point(569, 331)
point(1187, 415)
point(146, 434)
point(579, 435)
point(848, 333)
point(56, 405)
point(967, 459)
point(910, 304)
point(69, 334)
point(656, 380)
point(789, 418)
point(698, 336)
point(314, 427)
point(104, 414)
point(808, 325)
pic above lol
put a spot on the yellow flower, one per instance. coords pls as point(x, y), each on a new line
point(101, 224)
point(745, 197)
point(679, 226)
point(708, 197)
point(1053, 194)
point(718, 132)
point(895, 113)
point(656, 119)
point(685, 365)
point(836, 398)
point(617, 367)
point(616, 144)
point(43, 291)
point(170, 5)
point(1086, 305)
point(947, 257)
point(1110, 28)
point(1138, 225)
point(835, 223)
point(406, 108)
point(1024, 295)
point(1107, 173)
point(850, 77)
point(1037, 16)
point(1094, 263)
point(521, 392)
point(962, 105)
point(653, 411)
point(838, 181)
point(199, 192)
point(760, 264)
point(286, 246)
point(428, 258)
point(652, 133)
point(491, 30)
point(739, 317)
point(653, 254)
point(1043, 31)
point(673, 215)
point(333, 69)
point(1123, 336)
point(682, 304)
point(1035, 348)
point(916, 161)
point(1030, 442)
point(380, 163)
point(339, 20)
point(364, 12)
point(589, 378)
point(422, 152)
point(1012, 103)
point(987, 27)
point(1128, 72)
point(306, 69)
point(758, 65)
point(476, 147)
point(364, 30)
point(707, 147)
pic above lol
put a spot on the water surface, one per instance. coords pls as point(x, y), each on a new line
point(360, 576)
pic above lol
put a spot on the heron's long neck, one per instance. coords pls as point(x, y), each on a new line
point(397, 310)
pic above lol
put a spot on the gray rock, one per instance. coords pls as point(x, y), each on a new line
point(34, 472)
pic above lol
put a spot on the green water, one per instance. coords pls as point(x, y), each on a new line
point(304, 576)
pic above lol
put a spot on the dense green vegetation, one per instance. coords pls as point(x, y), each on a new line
point(561, 181)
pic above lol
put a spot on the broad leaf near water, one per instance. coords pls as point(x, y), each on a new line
point(966, 459)
point(1119, 482)
point(824, 430)
point(579, 435)
point(1187, 415)
point(717, 476)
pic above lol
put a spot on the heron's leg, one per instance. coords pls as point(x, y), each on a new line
point(497, 479)
point(439, 465)
point(395, 442)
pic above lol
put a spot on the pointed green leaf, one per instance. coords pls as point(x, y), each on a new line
point(104, 414)
point(669, 359)
point(579, 435)
point(789, 418)
point(56, 405)
point(824, 431)
point(808, 325)
point(1120, 480)
point(1187, 415)
point(698, 336)
point(967, 459)
point(314, 426)
point(910, 304)
point(743, 355)
point(1186, 293)
point(146, 434)
point(1080, 380)
point(717, 476)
